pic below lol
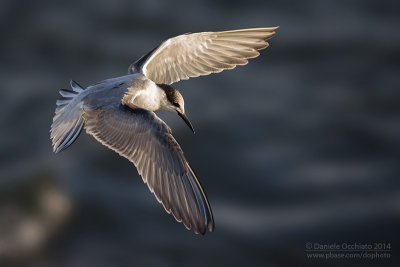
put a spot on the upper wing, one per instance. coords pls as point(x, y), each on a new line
point(143, 138)
point(192, 55)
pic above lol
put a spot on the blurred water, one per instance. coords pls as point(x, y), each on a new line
point(301, 145)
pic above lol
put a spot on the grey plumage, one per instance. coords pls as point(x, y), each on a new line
point(119, 113)
point(67, 122)
point(143, 138)
point(191, 55)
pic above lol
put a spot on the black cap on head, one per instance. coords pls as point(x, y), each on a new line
point(176, 99)
point(172, 94)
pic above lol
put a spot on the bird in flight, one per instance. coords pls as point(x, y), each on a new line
point(119, 113)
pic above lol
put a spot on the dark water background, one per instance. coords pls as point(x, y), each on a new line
point(301, 145)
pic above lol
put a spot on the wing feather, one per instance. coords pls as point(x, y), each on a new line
point(140, 136)
point(196, 54)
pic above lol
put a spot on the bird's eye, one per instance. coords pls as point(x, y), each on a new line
point(176, 104)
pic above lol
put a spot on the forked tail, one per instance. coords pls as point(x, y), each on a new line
point(68, 121)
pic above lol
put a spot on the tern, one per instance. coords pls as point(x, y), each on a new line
point(119, 113)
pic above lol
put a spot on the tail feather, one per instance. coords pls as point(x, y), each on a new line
point(63, 101)
point(76, 87)
point(69, 135)
point(67, 96)
point(67, 93)
point(68, 121)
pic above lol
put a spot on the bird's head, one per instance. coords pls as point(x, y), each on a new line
point(175, 103)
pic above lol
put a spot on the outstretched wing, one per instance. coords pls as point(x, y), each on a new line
point(143, 138)
point(195, 54)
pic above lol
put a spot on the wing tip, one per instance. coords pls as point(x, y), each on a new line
point(210, 226)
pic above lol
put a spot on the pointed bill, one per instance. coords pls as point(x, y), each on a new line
point(185, 118)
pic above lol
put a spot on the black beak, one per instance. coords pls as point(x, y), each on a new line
point(185, 118)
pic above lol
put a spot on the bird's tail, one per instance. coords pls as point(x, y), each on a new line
point(68, 121)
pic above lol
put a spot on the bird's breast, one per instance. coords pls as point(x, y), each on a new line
point(149, 97)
